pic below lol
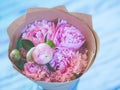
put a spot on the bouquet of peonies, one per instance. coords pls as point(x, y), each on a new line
point(52, 46)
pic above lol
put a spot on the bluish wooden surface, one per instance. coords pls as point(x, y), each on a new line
point(104, 73)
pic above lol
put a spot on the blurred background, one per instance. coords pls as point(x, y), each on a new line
point(104, 73)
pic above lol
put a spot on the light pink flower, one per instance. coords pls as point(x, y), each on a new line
point(31, 70)
point(68, 36)
point(42, 54)
point(62, 77)
point(61, 59)
point(79, 62)
point(35, 72)
point(37, 31)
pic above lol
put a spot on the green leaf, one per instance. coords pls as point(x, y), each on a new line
point(20, 64)
point(50, 43)
point(45, 39)
point(27, 44)
point(19, 44)
point(50, 68)
point(77, 75)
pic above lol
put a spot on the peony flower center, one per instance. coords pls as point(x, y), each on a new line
point(42, 53)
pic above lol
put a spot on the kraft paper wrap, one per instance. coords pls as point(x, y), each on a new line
point(81, 21)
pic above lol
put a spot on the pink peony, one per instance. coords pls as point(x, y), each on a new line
point(31, 70)
point(68, 36)
point(42, 54)
point(61, 59)
point(37, 31)
point(79, 62)
point(35, 72)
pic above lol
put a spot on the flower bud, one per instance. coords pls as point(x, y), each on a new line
point(15, 55)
